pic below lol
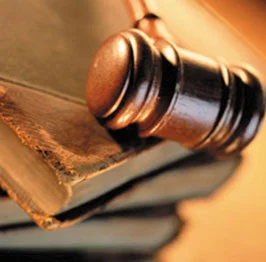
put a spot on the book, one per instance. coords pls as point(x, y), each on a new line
point(41, 160)
point(196, 176)
point(142, 230)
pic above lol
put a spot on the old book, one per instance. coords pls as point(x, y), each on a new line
point(142, 230)
point(195, 176)
point(44, 190)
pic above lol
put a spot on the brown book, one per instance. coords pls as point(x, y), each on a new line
point(194, 176)
point(142, 230)
point(47, 152)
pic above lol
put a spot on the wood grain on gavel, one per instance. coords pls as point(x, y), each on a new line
point(172, 93)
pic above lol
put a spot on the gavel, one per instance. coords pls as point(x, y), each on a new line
point(145, 79)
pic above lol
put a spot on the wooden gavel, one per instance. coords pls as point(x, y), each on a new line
point(140, 77)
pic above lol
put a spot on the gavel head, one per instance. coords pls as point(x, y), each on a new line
point(174, 94)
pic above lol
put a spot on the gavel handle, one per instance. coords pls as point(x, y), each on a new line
point(145, 17)
point(138, 9)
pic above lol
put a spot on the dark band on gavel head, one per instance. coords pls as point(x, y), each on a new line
point(174, 94)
